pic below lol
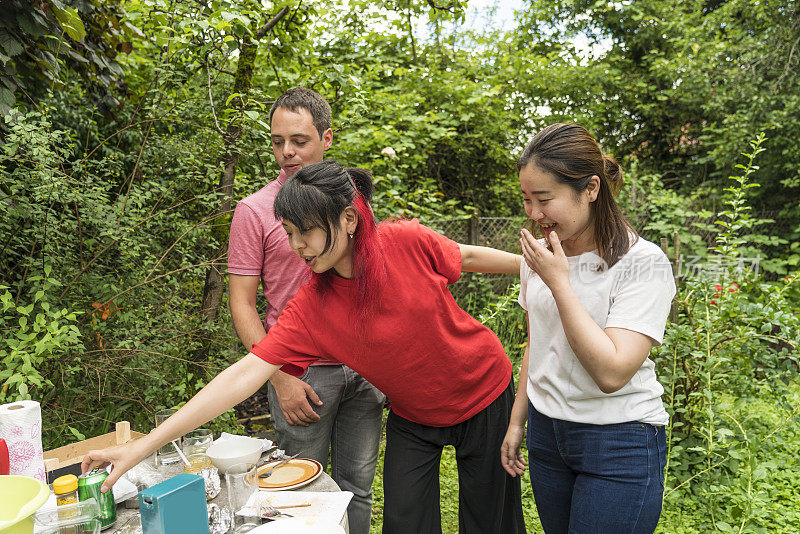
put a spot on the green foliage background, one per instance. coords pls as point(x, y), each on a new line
point(120, 120)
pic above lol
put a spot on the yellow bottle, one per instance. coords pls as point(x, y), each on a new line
point(66, 489)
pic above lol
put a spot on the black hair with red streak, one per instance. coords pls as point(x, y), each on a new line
point(316, 196)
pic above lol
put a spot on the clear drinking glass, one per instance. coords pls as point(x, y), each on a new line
point(166, 454)
point(242, 482)
point(197, 441)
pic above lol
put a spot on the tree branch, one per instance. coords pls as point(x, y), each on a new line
point(223, 71)
point(272, 22)
point(450, 8)
point(211, 99)
point(198, 223)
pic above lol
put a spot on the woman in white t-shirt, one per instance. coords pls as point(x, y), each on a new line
point(597, 297)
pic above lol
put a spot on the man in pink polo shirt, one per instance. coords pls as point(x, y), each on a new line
point(330, 407)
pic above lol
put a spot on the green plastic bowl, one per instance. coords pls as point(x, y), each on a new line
point(20, 497)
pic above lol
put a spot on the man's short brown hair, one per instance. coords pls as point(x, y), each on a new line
point(303, 98)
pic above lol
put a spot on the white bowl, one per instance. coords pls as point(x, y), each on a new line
point(226, 453)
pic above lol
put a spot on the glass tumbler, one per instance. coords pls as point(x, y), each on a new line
point(197, 441)
point(166, 454)
point(242, 483)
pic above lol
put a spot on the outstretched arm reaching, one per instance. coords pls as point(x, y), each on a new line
point(488, 260)
point(225, 391)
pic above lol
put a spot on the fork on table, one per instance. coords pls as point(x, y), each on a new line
point(270, 512)
point(269, 471)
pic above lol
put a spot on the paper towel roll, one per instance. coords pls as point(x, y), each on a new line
point(21, 427)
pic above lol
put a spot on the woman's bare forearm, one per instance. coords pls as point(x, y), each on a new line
point(488, 260)
point(611, 362)
point(519, 412)
point(226, 390)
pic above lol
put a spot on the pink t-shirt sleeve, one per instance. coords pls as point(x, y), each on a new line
point(246, 242)
point(288, 342)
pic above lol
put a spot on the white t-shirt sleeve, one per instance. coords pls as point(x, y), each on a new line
point(642, 294)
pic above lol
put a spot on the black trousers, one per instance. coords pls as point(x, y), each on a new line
point(489, 499)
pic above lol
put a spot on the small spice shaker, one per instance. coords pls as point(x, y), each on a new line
point(66, 489)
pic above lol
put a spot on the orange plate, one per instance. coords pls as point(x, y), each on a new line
point(293, 474)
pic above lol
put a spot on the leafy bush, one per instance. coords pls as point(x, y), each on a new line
point(733, 341)
point(99, 315)
point(31, 334)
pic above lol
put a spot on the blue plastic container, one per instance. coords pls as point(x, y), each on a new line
point(175, 506)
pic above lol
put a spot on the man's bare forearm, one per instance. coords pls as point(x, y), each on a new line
point(251, 330)
point(248, 325)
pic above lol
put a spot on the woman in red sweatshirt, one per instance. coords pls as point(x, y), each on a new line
point(378, 303)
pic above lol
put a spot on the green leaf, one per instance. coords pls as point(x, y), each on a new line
point(9, 44)
point(8, 82)
point(71, 22)
point(13, 379)
point(7, 97)
point(231, 97)
point(28, 25)
point(77, 57)
point(253, 115)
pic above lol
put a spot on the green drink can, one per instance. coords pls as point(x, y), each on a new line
point(89, 485)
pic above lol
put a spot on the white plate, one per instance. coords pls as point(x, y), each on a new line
point(296, 525)
point(293, 474)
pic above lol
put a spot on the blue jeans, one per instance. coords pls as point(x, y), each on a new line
point(596, 478)
point(349, 425)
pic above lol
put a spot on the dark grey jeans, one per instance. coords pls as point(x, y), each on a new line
point(349, 427)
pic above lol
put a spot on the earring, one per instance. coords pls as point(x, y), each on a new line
point(351, 235)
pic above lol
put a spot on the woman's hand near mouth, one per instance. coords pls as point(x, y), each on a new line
point(552, 267)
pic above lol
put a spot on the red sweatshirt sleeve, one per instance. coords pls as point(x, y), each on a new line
point(289, 342)
point(444, 253)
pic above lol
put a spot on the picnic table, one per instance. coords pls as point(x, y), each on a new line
point(323, 483)
point(67, 459)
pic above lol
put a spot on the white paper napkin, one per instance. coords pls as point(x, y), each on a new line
point(123, 490)
point(323, 505)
